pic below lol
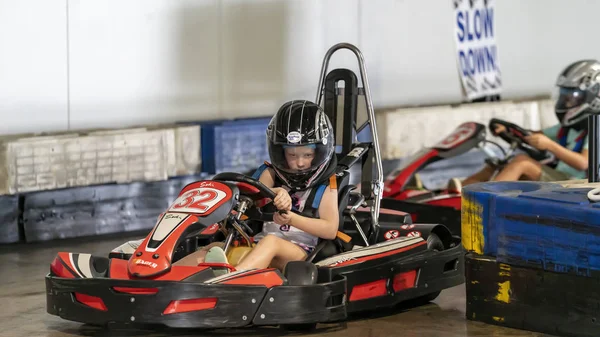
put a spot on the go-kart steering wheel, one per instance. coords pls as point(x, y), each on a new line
point(263, 191)
point(516, 134)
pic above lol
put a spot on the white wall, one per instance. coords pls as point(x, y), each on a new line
point(78, 64)
point(33, 66)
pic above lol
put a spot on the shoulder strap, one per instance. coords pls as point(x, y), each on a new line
point(260, 170)
point(563, 134)
point(313, 201)
point(580, 142)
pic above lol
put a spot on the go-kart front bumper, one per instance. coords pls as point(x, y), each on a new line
point(103, 301)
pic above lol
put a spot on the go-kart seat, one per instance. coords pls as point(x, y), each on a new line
point(328, 248)
point(344, 190)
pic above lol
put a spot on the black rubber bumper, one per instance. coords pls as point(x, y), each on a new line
point(437, 271)
point(236, 305)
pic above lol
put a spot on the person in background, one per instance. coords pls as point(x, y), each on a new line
point(578, 88)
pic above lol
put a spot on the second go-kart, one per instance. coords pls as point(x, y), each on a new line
point(444, 205)
point(374, 262)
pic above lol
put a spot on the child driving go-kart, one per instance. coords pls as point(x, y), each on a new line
point(301, 144)
point(578, 86)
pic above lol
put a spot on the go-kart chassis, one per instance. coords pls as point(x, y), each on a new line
point(227, 305)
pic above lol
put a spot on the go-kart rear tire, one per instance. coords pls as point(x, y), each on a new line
point(434, 242)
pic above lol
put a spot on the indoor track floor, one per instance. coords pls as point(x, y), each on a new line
point(23, 300)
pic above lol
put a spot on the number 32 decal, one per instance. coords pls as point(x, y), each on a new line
point(198, 200)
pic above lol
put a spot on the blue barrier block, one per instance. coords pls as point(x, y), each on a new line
point(532, 224)
point(234, 145)
point(98, 209)
point(9, 219)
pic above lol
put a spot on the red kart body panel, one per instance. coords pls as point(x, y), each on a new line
point(464, 138)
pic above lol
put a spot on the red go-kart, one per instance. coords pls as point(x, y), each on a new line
point(444, 205)
point(373, 263)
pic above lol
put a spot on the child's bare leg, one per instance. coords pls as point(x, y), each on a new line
point(280, 262)
point(520, 167)
point(484, 175)
point(271, 250)
point(198, 256)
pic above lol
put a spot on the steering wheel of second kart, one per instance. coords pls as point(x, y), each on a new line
point(515, 133)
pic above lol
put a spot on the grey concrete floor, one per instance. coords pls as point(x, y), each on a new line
point(23, 305)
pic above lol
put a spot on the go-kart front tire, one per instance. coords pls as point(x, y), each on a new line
point(299, 273)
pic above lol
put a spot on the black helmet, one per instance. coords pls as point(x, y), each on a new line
point(578, 86)
point(301, 143)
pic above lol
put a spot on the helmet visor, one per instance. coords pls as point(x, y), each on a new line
point(299, 159)
point(568, 98)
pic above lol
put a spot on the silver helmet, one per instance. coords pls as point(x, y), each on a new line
point(578, 86)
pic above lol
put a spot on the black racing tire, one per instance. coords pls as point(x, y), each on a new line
point(435, 243)
point(300, 273)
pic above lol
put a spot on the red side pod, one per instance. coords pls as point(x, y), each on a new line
point(394, 186)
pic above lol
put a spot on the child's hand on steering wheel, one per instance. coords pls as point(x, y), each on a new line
point(282, 218)
point(282, 200)
point(539, 141)
point(498, 129)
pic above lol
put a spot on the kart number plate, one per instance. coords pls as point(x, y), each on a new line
point(462, 133)
point(198, 200)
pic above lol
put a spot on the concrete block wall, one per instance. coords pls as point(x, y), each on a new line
point(89, 157)
point(37, 163)
point(404, 131)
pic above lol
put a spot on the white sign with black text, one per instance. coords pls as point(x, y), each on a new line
point(476, 49)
